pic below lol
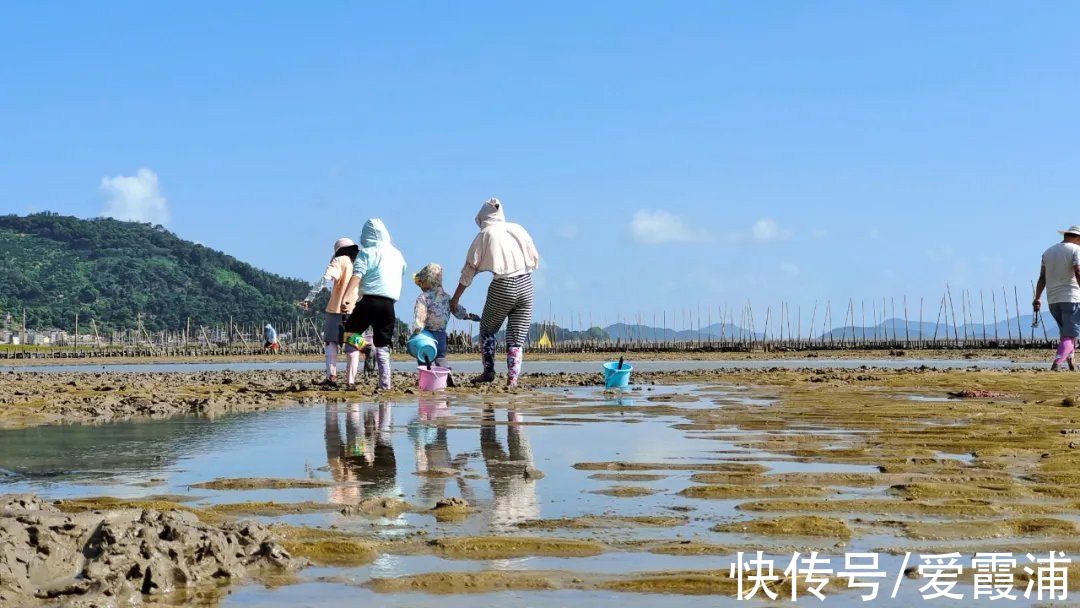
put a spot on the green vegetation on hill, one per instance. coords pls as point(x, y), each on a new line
point(111, 271)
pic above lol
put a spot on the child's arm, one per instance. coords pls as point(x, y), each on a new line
point(463, 314)
point(420, 314)
point(325, 281)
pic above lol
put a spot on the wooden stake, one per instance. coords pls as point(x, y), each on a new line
point(952, 312)
point(1008, 320)
point(1016, 302)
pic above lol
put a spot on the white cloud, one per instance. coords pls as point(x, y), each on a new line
point(790, 269)
point(568, 231)
point(819, 233)
point(765, 230)
point(135, 198)
point(656, 227)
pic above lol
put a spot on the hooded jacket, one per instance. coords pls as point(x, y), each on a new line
point(502, 248)
point(379, 264)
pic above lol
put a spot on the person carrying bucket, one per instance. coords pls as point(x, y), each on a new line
point(431, 313)
point(377, 273)
point(336, 278)
point(506, 250)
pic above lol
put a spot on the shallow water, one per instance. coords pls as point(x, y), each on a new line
point(372, 449)
point(471, 367)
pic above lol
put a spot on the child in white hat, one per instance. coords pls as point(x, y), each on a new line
point(336, 278)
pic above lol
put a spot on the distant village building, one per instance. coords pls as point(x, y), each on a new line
point(35, 338)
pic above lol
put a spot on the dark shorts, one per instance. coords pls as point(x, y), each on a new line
point(331, 329)
point(1067, 317)
point(377, 313)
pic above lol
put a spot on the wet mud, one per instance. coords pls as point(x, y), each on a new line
point(770, 459)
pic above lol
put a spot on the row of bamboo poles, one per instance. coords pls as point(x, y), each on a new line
point(958, 324)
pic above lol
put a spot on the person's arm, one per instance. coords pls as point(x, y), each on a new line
point(468, 271)
point(324, 282)
point(532, 256)
point(360, 267)
point(419, 315)
point(351, 288)
point(464, 315)
point(457, 296)
point(1036, 304)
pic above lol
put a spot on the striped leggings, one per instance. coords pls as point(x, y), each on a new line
point(509, 299)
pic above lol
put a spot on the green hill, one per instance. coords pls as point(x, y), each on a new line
point(111, 271)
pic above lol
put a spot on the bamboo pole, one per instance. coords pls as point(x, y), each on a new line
point(982, 315)
point(952, 312)
point(1016, 302)
point(1008, 320)
point(907, 331)
point(937, 322)
point(922, 336)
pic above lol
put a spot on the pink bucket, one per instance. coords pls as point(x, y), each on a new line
point(433, 379)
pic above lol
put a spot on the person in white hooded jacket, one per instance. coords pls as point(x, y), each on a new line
point(506, 250)
point(377, 274)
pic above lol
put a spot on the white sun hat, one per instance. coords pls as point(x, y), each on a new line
point(1073, 230)
point(347, 242)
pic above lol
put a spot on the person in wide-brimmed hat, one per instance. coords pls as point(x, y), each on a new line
point(1060, 277)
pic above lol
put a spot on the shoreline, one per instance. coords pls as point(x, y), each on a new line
point(34, 398)
point(1010, 354)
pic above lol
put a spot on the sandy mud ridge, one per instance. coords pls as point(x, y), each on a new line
point(123, 555)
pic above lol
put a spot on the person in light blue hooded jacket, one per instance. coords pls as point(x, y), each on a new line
point(379, 271)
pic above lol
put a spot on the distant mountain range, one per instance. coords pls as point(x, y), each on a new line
point(926, 331)
point(890, 328)
point(623, 331)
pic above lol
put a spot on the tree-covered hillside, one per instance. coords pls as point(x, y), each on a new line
point(111, 271)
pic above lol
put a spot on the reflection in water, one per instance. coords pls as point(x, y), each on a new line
point(514, 495)
point(364, 456)
point(434, 463)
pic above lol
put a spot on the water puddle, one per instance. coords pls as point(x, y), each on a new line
point(927, 398)
point(511, 457)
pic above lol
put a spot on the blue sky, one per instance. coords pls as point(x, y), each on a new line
point(665, 156)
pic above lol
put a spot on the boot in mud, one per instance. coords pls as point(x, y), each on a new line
point(486, 377)
point(382, 360)
point(515, 355)
point(487, 352)
point(369, 361)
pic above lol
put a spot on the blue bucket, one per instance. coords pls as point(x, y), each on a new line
point(615, 377)
point(423, 345)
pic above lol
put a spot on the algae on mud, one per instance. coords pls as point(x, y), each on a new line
point(842, 458)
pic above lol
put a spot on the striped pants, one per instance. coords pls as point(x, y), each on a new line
point(509, 300)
